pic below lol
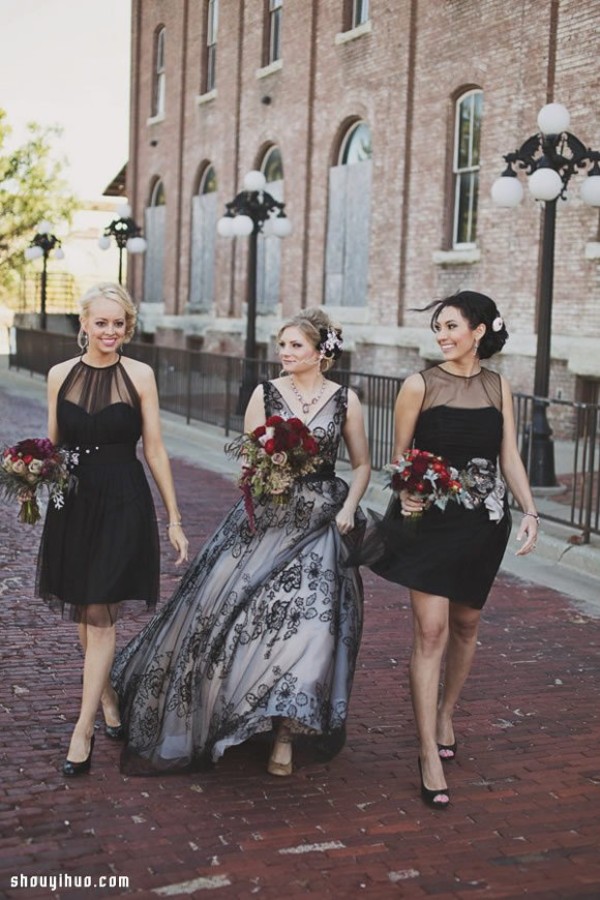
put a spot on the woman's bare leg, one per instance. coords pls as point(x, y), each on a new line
point(99, 655)
point(430, 635)
point(462, 643)
point(109, 698)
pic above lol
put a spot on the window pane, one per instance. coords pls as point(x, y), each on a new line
point(272, 167)
point(357, 147)
point(211, 67)
point(466, 220)
point(361, 12)
point(476, 140)
point(208, 185)
point(464, 133)
point(275, 36)
point(213, 21)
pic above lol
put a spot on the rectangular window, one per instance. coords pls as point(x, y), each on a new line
point(274, 27)
point(466, 168)
point(212, 24)
point(159, 75)
point(360, 12)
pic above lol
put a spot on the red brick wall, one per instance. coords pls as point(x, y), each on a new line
point(408, 102)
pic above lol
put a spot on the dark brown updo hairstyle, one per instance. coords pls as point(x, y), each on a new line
point(477, 309)
point(318, 328)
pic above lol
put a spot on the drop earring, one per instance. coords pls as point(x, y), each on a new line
point(83, 340)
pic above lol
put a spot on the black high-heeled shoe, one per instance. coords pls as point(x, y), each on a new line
point(114, 732)
point(431, 798)
point(447, 749)
point(71, 769)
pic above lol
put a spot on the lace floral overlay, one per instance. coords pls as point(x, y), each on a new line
point(264, 625)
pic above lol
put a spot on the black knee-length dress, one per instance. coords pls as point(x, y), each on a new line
point(101, 550)
point(455, 553)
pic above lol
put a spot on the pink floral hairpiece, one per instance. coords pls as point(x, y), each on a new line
point(331, 343)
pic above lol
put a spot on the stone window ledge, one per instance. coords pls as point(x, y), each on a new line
point(344, 36)
point(456, 257)
point(201, 99)
point(270, 69)
point(154, 120)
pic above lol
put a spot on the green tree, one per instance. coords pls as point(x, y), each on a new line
point(32, 188)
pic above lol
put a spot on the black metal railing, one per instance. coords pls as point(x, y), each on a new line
point(205, 387)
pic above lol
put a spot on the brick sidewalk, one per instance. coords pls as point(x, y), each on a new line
point(525, 816)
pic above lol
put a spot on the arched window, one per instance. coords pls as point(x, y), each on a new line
point(159, 85)
point(154, 232)
point(467, 140)
point(268, 259)
point(203, 237)
point(349, 220)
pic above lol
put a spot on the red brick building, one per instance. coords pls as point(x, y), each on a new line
point(382, 125)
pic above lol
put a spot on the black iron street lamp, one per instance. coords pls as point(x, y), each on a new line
point(549, 158)
point(127, 235)
point(42, 245)
point(253, 211)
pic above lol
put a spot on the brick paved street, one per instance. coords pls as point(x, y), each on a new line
point(525, 816)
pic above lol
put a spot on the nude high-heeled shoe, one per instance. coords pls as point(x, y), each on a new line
point(277, 768)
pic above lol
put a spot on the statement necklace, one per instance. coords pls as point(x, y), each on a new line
point(306, 404)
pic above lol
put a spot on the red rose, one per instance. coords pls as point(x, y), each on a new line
point(258, 432)
point(273, 420)
point(269, 446)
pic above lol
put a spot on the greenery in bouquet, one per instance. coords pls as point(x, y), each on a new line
point(430, 477)
point(32, 464)
point(273, 456)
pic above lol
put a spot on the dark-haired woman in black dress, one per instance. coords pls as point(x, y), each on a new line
point(463, 412)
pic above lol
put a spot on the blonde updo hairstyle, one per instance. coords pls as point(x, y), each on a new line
point(107, 290)
point(316, 326)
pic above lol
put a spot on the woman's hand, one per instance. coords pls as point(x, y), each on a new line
point(410, 503)
point(179, 542)
point(528, 529)
point(345, 520)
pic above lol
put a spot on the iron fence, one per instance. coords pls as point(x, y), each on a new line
point(207, 387)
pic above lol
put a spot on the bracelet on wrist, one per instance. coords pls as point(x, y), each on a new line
point(533, 516)
point(174, 524)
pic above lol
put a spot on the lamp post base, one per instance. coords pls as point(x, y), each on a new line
point(539, 457)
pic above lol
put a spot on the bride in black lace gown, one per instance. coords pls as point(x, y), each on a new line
point(263, 633)
point(100, 552)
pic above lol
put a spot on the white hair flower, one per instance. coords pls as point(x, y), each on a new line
point(498, 323)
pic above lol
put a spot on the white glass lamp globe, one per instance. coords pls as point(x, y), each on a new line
point(242, 226)
point(225, 227)
point(136, 245)
point(59, 253)
point(254, 181)
point(44, 227)
point(124, 211)
point(553, 118)
point(32, 253)
point(104, 242)
point(507, 191)
point(282, 226)
point(590, 190)
point(545, 184)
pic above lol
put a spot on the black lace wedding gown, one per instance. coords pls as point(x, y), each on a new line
point(100, 552)
point(263, 625)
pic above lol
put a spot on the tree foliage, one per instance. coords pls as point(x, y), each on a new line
point(32, 188)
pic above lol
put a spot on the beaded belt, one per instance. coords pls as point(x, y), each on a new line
point(102, 454)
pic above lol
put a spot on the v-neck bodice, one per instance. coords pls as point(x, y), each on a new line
point(326, 423)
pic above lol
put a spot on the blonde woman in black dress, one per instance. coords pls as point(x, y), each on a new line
point(100, 552)
point(463, 412)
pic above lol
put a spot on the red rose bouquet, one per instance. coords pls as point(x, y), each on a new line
point(430, 476)
point(274, 455)
point(29, 465)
